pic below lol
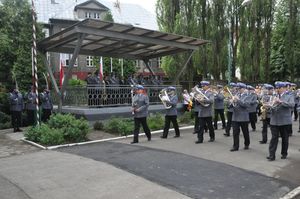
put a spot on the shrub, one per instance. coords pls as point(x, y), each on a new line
point(52, 137)
point(119, 126)
point(5, 121)
point(186, 118)
point(98, 126)
point(156, 121)
point(34, 134)
point(76, 82)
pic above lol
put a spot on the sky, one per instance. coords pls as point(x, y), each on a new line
point(147, 4)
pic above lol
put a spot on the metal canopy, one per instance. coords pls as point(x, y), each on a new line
point(118, 40)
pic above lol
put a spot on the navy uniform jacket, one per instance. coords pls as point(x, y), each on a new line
point(281, 114)
point(141, 103)
point(219, 101)
point(30, 99)
point(253, 103)
point(46, 100)
point(173, 102)
point(206, 111)
point(16, 101)
point(240, 110)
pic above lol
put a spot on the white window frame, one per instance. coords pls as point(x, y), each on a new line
point(96, 15)
point(88, 15)
point(65, 58)
point(89, 61)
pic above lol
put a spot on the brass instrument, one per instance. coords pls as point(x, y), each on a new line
point(165, 98)
point(231, 98)
point(198, 95)
point(266, 105)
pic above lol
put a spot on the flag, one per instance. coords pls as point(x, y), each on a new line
point(61, 73)
point(101, 69)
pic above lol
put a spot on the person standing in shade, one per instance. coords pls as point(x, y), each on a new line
point(266, 100)
point(281, 119)
point(252, 106)
point(240, 117)
point(140, 106)
point(229, 110)
point(219, 107)
point(47, 105)
point(30, 99)
point(171, 113)
point(205, 113)
point(16, 108)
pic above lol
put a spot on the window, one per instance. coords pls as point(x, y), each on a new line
point(66, 58)
point(89, 61)
point(88, 15)
point(96, 15)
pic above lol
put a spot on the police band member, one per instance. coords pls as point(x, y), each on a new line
point(16, 108)
point(252, 106)
point(296, 99)
point(140, 106)
point(240, 117)
point(229, 113)
point(266, 100)
point(205, 113)
point(281, 119)
point(219, 107)
point(47, 105)
point(171, 113)
point(31, 106)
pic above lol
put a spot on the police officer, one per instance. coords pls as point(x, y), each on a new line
point(171, 113)
point(47, 105)
point(281, 119)
point(140, 106)
point(296, 99)
point(240, 117)
point(30, 99)
point(196, 107)
point(229, 110)
point(266, 100)
point(16, 108)
point(219, 107)
point(205, 113)
point(253, 106)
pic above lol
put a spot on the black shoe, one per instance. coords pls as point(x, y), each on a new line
point(149, 139)
point(163, 137)
point(283, 157)
point(233, 149)
point(271, 158)
point(194, 132)
point(253, 130)
point(211, 140)
point(15, 130)
point(226, 134)
point(246, 147)
point(134, 142)
point(299, 131)
point(198, 142)
point(19, 130)
point(176, 136)
point(262, 142)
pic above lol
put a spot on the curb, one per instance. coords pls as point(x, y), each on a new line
point(292, 194)
point(95, 141)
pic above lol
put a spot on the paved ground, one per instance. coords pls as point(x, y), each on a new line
point(172, 168)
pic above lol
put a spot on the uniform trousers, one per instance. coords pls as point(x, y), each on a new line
point(137, 124)
point(168, 120)
point(221, 113)
point(203, 121)
point(277, 131)
point(229, 122)
point(295, 112)
point(196, 127)
point(266, 123)
point(236, 126)
point(253, 120)
point(16, 119)
point(31, 117)
point(46, 114)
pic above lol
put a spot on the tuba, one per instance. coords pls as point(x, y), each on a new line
point(199, 96)
point(165, 98)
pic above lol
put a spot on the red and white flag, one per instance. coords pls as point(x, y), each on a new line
point(101, 69)
point(61, 73)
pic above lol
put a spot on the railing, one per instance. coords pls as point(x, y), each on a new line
point(104, 96)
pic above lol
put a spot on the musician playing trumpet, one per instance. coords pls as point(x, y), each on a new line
point(171, 113)
point(230, 92)
point(219, 107)
point(140, 104)
point(281, 119)
point(205, 112)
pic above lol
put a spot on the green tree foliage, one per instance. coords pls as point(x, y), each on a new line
point(16, 42)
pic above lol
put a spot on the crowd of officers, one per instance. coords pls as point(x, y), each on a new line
point(28, 103)
point(275, 105)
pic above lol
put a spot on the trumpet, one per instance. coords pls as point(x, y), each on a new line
point(165, 98)
point(231, 98)
point(198, 95)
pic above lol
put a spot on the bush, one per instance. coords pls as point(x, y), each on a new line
point(4, 103)
point(156, 121)
point(119, 126)
point(186, 118)
point(52, 137)
point(34, 134)
point(5, 121)
point(98, 126)
point(76, 82)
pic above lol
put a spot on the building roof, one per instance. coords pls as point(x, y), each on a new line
point(118, 40)
point(127, 14)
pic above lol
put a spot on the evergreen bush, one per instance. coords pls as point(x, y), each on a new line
point(98, 126)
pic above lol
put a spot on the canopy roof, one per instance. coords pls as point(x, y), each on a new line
point(101, 38)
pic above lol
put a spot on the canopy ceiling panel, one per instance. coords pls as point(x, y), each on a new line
point(118, 40)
